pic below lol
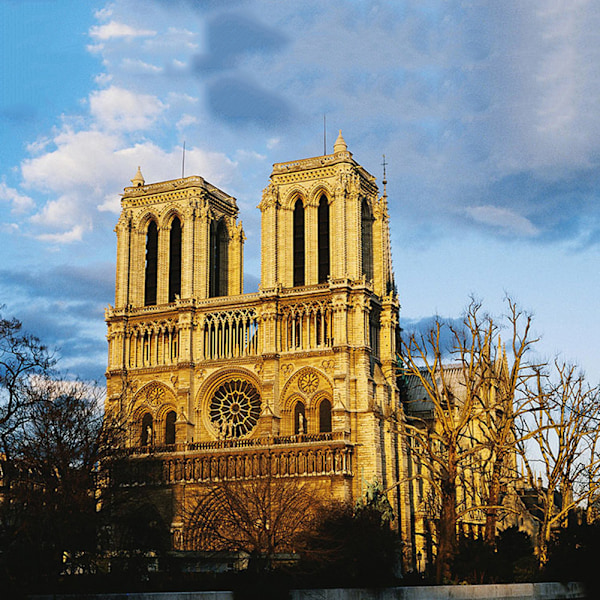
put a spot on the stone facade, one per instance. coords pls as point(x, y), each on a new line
point(297, 379)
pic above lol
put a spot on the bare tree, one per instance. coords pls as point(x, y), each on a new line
point(49, 513)
point(460, 416)
point(503, 403)
point(558, 445)
point(22, 357)
point(261, 516)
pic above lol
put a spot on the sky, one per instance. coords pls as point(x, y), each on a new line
point(487, 114)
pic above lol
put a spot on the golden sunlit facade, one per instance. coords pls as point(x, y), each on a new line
point(212, 381)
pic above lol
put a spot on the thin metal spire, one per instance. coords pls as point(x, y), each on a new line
point(384, 180)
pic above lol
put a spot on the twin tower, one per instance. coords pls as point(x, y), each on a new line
point(210, 380)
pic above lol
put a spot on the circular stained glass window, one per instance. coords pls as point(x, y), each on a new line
point(235, 408)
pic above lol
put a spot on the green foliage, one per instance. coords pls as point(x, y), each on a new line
point(377, 502)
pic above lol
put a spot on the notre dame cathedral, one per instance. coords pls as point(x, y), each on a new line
point(210, 379)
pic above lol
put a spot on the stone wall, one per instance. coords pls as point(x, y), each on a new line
point(508, 591)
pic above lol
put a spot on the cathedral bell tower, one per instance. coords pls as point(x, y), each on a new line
point(178, 243)
point(322, 220)
point(329, 309)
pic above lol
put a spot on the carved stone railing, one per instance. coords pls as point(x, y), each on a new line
point(291, 457)
point(233, 444)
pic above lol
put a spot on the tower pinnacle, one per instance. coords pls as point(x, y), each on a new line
point(340, 144)
point(138, 179)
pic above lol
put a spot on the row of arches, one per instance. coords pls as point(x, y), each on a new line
point(153, 345)
point(306, 326)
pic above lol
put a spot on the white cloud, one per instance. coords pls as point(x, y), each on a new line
point(140, 67)
point(20, 203)
point(502, 219)
point(66, 212)
point(103, 14)
point(114, 29)
point(186, 121)
point(87, 170)
point(103, 79)
point(123, 110)
point(79, 158)
point(73, 235)
point(94, 48)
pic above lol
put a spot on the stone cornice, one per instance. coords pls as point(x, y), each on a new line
point(164, 190)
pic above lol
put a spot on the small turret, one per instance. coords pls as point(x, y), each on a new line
point(340, 144)
point(138, 180)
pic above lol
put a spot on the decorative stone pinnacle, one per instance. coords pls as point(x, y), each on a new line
point(340, 144)
point(138, 180)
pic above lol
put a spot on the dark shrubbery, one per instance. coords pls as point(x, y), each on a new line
point(511, 561)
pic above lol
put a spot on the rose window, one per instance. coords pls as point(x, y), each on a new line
point(235, 408)
point(308, 382)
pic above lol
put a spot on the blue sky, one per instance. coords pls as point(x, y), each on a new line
point(487, 113)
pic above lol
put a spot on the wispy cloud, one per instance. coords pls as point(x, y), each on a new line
point(119, 109)
point(20, 203)
point(503, 220)
point(114, 29)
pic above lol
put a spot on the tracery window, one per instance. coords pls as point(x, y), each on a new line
point(323, 241)
point(235, 408)
point(306, 325)
point(298, 243)
point(230, 334)
point(175, 259)
point(151, 271)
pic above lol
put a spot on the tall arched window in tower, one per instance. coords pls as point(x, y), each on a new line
point(151, 264)
point(298, 243)
point(170, 427)
point(219, 246)
point(175, 259)
point(367, 240)
point(324, 416)
point(323, 245)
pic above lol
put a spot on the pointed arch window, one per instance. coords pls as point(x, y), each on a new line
point(299, 418)
point(323, 243)
point(324, 416)
point(175, 260)
point(367, 240)
point(151, 273)
point(219, 259)
point(170, 427)
point(298, 242)
point(147, 433)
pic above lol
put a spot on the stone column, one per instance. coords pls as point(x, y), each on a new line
point(123, 231)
